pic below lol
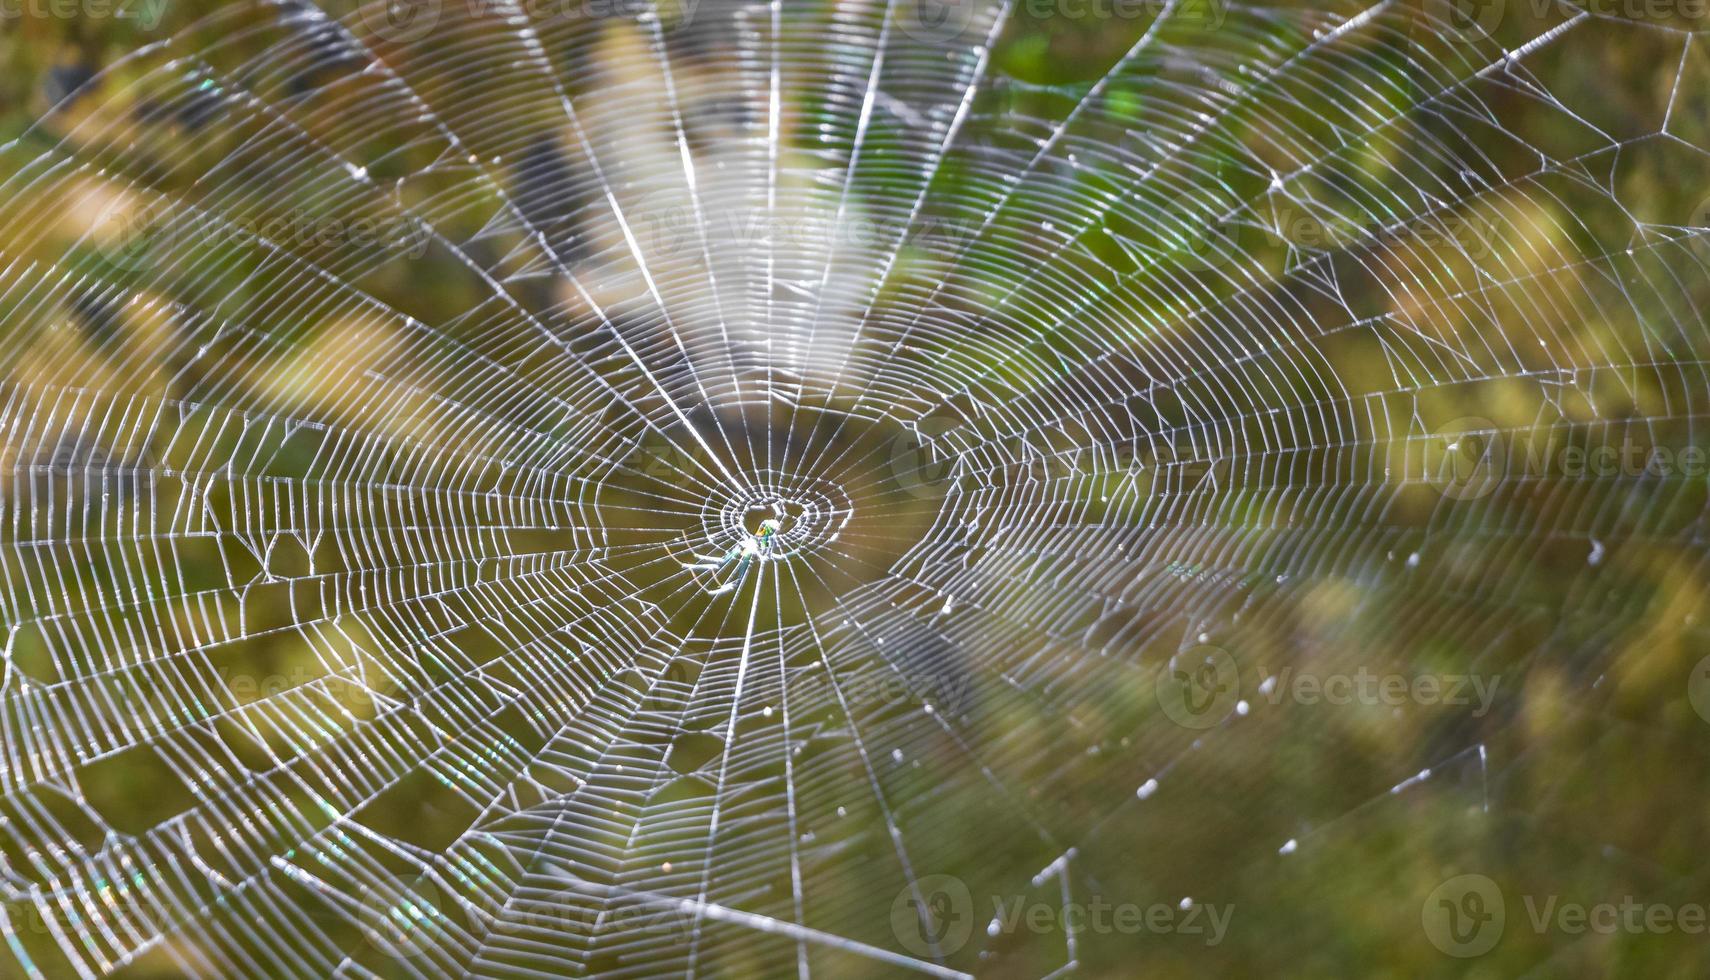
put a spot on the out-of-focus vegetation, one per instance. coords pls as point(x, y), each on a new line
point(1586, 780)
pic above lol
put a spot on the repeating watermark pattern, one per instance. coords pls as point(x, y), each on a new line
point(948, 692)
point(407, 915)
point(408, 21)
point(928, 21)
point(1470, 457)
point(1292, 226)
point(1467, 916)
point(1466, 458)
point(1184, 466)
point(945, 21)
point(1628, 916)
point(1471, 21)
point(129, 235)
point(673, 223)
point(1199, 687)
point(1203, 14)
point(914, 461)
point(658, 456)
point(936, 914)
point(1390, 690)
point(354, 693)
point(146, 14)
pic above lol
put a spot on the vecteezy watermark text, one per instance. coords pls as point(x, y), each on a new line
point(1365, 687)
point(405, 21)
point(1206, 14)
point(953, 21)
point(146, 14)
point(128, 236)
point(678, 224)
point(1470, 457)
point(1200, 687)
point(1290, 226)
point(1467, 916)
point(935, 915)
point(1475, 19)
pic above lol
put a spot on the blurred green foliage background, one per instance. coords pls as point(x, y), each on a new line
point(1588, 779)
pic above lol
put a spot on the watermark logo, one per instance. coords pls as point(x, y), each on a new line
point(1207, 248)
point(1465, 459)
point(404, 916)
point(1698, 688)
point(937, 914)
point(125, 232)
point(916, 466)
point(401, 21)
point(1199, 687)
point(934, 916)
point(1464, 916)
point(1467, 21)
point(936, 21)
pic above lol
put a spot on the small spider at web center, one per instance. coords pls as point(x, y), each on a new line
point(755, 546)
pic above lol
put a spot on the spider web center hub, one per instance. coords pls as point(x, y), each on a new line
point(811, 515)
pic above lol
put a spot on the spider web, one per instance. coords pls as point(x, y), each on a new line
point(373, 377)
